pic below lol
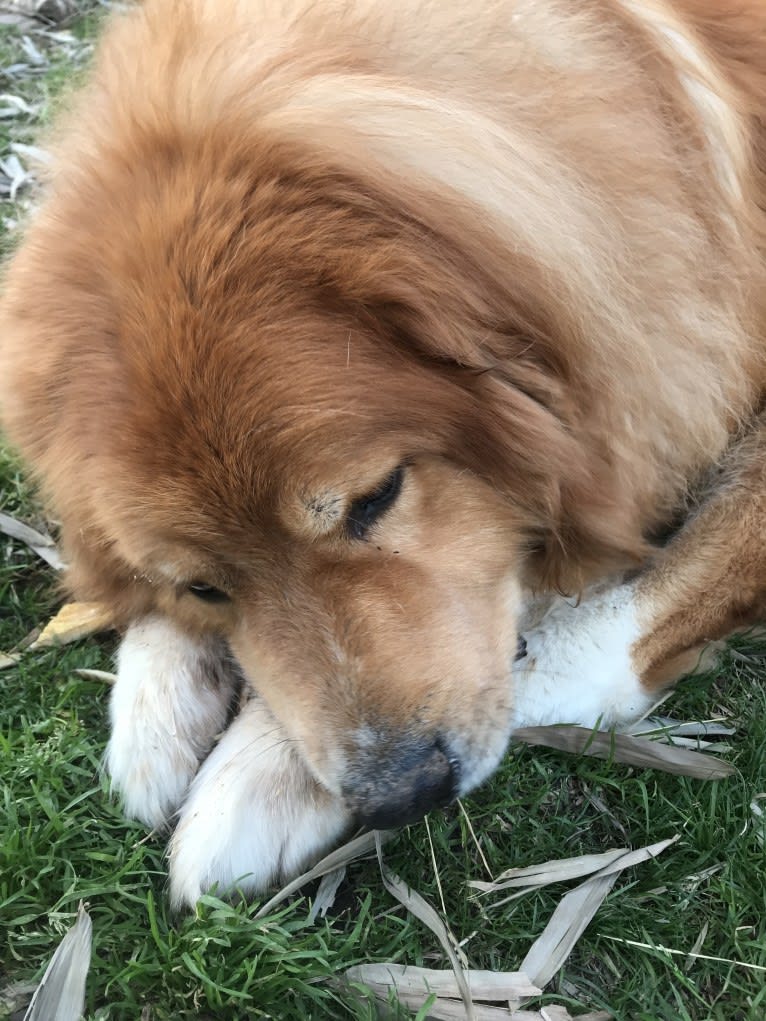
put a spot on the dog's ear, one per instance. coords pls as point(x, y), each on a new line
point(506, 359)
point(580, 524)
point(57, 386)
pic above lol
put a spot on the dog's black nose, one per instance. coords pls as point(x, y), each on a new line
point(400, 787)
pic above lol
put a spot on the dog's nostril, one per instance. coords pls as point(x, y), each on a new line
point(521, 648)
point(403, 787)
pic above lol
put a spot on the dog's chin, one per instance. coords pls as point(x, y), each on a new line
point(478, 761)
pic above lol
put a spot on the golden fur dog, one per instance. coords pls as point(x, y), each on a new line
point(347, 334)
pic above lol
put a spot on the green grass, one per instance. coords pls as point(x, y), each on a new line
point(63, 839)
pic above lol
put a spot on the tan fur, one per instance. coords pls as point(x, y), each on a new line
point(709, 582)
point(289, 245)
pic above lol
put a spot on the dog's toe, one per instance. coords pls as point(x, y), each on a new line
point(254, 815)
point(170, 701)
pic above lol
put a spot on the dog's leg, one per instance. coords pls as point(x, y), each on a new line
point(254, 815)
point(577, 666)
point(172, 698)
point(608, 658)
point(711, 579)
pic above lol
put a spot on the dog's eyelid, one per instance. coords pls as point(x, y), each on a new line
point(207, 593)
point(365, 510)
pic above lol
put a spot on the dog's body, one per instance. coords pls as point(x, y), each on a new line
point(350, 331)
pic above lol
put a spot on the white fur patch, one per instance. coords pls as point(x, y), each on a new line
point(578, 667)
point(254, 814)
point(169, 703)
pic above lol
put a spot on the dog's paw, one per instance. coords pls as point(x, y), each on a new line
point(171, 699)
point(254, 815)
point(578, 667)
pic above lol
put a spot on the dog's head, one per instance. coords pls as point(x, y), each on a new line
point(321, 411)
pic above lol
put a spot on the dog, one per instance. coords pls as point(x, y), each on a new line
point(395, 369)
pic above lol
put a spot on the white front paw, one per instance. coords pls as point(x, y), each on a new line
point(171, 699)
point(578, 666)
point(254, 814)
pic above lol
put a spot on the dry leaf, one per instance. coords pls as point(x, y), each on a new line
point(422, 910)
point(73, 622)
point(552, 948)
point(632, 750)
point(671, 951)
point(15, 997)
point(453, 1010)
point(7, 660)
point(759, 819)
point(32, 153)
point(97, 675)
point(664, 728)
point(61, 993)
point(495, 986)
point(325, 896)
point(41, 544)
point(48, 11)
point(342, 856)
point(698, 945)
point(559, 871)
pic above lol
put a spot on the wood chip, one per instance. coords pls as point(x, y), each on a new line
point(73, 622)
point(61, 993)
point(8, 660)
point(634, 751)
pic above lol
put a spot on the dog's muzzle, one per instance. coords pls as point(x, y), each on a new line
point(396, 786)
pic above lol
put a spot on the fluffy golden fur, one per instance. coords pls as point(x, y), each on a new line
point(514, 247)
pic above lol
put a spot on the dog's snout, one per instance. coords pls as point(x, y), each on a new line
point(399, 787)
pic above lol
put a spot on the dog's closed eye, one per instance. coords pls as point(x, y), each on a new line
point(366, 510)
point(207, 593)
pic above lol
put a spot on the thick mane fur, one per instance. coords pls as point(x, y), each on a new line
point(567, 305)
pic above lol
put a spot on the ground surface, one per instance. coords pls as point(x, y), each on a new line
point(63, 840)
